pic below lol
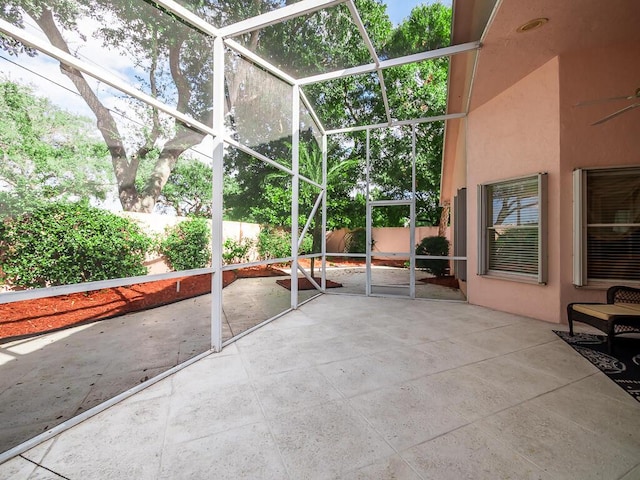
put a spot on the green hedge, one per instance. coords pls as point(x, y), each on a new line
point(67, 243)
point(274, 243)
point(187, 245)
point(236, 251)
point(435, 246)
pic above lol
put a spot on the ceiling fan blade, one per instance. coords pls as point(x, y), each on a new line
point(615, 114)
point(605, 100)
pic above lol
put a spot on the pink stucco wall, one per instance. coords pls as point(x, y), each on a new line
point(535, 126)
point(387, 239)
point(516, 134)
point(586, 75)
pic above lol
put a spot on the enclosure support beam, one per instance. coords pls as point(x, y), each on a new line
point(494, 12)
point(412, 215)
point(394, 62)
point(312, 112)
point(374, 55)
point(294, 10)
point(368, 220)
point(295, 192)
point(324, 213)
point(188, 16)
point(217, 199)
point(99, 74)
point(234, 143)
point(401, 123)
point(310, 219)
point(258, 60)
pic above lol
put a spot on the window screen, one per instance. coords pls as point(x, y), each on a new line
point(512, 237)
point(608, 225)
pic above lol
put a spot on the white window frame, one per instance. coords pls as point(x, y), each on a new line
point(581, 224)
point(485, 226)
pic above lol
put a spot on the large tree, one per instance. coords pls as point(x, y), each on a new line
point(173, 63)
point(176, 61)
point(415, 90)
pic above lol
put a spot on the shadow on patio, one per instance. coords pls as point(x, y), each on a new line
point(354, 387)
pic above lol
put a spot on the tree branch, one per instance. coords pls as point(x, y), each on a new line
point(124, 173)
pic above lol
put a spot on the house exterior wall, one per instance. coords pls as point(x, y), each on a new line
point(535, 126)
point(586, 75)
point(456, 129)
point(517, 134)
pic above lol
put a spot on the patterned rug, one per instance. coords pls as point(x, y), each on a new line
point(623, 367)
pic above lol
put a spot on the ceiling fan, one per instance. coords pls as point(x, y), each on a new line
point(635, 96)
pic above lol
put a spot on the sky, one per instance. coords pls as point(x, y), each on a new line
point(398, 10)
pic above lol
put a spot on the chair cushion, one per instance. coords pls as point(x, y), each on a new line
point(606, 311)
point(631, 306)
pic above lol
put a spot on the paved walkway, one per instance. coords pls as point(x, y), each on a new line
point(365, 388)
point(57, 376)
point(50, 378)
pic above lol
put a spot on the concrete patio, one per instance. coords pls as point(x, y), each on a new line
point(351, 387)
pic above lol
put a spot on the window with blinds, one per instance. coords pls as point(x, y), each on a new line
point(607, 218)
point(512, 226)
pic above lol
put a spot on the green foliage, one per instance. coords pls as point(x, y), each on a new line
point(173, 64)
point(236, 251)
point(187, 245)
point(67, 243)
point(307, 245)
point(275, 243)
point(48, 153)
point(188, 190)
point(437, 247)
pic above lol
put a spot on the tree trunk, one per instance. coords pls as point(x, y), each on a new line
point(126, 169)
point(444, 221)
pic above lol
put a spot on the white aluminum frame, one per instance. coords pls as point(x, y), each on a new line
point(221, 38)
point(217, 196)
point(411, 253)
point(217, 130)
point(395, 62)
point(295, 192)
point(99, 74)
point(282, 14)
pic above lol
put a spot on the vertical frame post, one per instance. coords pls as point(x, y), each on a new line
point(412, 218)
point(217, 200)
point(368, 219)
point(295, 192)
point(323, 283)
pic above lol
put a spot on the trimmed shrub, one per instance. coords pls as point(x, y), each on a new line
point(307, 245)
point(236, 251)
point(436, 246)
point(186, 245)
point(67, 243)
point(274, 243)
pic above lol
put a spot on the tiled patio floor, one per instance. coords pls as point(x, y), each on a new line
point(372, 388)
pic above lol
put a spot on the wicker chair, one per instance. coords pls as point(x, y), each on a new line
point(621, 313)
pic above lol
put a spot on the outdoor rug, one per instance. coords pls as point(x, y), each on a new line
point(623, 367)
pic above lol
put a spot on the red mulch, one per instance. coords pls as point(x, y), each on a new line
point(361, 262)
point(28, 317)
point(305, 284)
